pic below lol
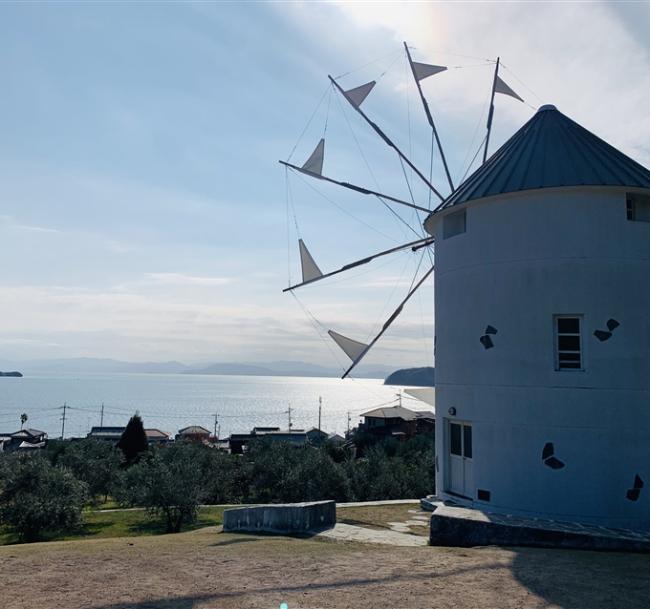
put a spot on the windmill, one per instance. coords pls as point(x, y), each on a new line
point(313, 168)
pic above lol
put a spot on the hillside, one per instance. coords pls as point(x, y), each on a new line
point(412, 377)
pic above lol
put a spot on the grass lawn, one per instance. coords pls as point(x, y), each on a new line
point(124, 523)
point(378, 516)
point(206, 569)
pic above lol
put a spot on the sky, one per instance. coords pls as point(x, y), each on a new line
point(144, 215)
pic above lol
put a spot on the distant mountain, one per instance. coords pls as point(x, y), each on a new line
point(412, 377)
point(90, 365)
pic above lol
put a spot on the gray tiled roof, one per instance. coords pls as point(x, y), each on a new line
point(550, 150)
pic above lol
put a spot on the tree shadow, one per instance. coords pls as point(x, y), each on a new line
point(578, 579)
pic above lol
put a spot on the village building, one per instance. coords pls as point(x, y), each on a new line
point(23, 439)
point(542, 323)
point(193, 433)
point(113, 434)
point(397, 422)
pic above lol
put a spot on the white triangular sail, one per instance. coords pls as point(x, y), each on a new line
point(352, 348)
point(502, 87)
point(423, 70)
point(310, 269)
point(314, 164)
point(359, 94)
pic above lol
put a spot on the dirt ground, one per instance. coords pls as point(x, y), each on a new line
point(207, 569)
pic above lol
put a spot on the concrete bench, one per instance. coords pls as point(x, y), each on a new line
point(281, 517)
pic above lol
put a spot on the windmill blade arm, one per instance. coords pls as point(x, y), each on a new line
point(412, 244)
point(388, 322)
point(359, 189)
point(387, 140)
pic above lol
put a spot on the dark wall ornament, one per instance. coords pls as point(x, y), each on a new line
point(549, 458)
point(603, 335)
point(634, 492)
point(486, 340)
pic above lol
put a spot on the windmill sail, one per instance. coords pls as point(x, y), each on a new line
point(314, 164)
point(501, 87)
point(424, 70)
point(352, 348)
point(310, 270)
point(357, 95)
point(414, 245)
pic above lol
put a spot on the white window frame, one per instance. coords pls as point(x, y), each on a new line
point(556, 343)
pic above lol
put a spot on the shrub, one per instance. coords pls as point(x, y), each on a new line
point(36, 497)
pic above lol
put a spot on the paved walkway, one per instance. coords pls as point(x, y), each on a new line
point(348, 532)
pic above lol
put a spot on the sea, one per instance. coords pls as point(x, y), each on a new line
point(170, 402)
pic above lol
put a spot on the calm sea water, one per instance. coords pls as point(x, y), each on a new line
point(172, 401)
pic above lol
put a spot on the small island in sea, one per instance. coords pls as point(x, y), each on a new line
point(14, 373)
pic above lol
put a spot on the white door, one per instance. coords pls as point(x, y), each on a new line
point(460, 476)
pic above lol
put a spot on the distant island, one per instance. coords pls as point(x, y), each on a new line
point(412, 377)
point(15, 373)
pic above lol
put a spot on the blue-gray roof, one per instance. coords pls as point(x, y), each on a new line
point(550, 150)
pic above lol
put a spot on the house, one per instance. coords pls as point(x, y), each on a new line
point(239, 442)
point(542, 311)
point(22, 439)
point(113, 434)
point(158, 437)
point(397, 422)
point(316, 436)
point(193, 433)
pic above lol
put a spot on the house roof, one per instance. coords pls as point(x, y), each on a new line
point(28, 432)
point(156, 433)
point(193, 430)
point(392, 412)
point(550, 150)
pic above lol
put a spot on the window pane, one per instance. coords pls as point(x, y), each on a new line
point(569, 357)
point(638, 207)
point(568, 325)
point(453, 224)
point(467, 437)
point(454, 436)
point(565, 365)
point(568, 343)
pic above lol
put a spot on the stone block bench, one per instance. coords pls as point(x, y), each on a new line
point(281, 518)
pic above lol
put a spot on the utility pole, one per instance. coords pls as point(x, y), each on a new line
point(399, 399)
point(101, 424)
point(64, 407)
point(216, 422)
point(320, 406)
point(349, 419)
point(289, 413)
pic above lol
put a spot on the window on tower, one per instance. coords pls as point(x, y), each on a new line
point(638, 207)
point(453, 224)
point(568, 342)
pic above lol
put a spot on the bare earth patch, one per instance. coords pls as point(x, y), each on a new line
point(207, 569)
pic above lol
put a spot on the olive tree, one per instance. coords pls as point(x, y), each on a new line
point(36, 497)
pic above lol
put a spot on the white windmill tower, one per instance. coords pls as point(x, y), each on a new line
point(542, 322)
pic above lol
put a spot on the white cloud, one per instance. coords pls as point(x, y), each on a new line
point(181, 279)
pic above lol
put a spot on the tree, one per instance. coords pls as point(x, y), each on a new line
point(23, 419)
point(168, 482)
point(36, 497)
point(94, 462)
point(133, 441)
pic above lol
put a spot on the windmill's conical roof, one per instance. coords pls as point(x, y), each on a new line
point(550, 150)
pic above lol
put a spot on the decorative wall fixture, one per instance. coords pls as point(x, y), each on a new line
point(634, 492)
point(548, 456)
point(603, 335)
point(486, 340)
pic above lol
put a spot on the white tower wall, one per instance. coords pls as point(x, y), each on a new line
point(523, 259)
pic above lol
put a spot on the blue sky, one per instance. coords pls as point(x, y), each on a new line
point(142, 208)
